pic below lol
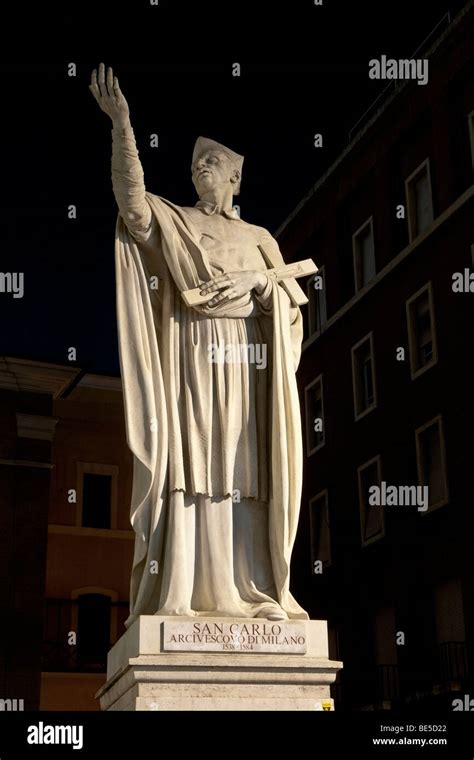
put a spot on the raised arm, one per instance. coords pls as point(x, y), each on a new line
point(127, 172)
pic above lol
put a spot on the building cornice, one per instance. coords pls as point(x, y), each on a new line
point(25, 375)
point(101, 382)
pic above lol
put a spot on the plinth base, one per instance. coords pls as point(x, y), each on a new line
point(219, 664)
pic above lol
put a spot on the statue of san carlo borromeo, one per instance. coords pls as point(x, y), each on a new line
point(211, 402)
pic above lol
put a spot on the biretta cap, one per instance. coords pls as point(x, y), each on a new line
point(204, 144)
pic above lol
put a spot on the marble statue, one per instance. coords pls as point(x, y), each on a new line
point(210, 395)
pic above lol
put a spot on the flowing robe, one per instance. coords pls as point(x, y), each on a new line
point(216, 445)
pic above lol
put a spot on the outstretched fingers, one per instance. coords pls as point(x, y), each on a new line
point(110, 82)
point(117, 90)
point(94, 87)
point(101, 80)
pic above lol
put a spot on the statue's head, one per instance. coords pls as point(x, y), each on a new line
point(213, 164)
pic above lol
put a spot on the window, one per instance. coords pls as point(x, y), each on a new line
point(449, 612)
point(421, 331)
point(317, 311)
point(385, 655)
point(431, 462)
point(419, 200)
point(371, 515)
point(470, 121)
point(93, 630)
point(97, 496)
point(94, 616)
point(364, 254)
point(96, 500)
point(385, 636)
point(315, 434)
point(363, 377)
point(320, 536)
point(450, 630)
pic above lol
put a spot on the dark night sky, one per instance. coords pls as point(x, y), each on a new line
point(56, 141)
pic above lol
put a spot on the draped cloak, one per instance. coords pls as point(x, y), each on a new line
point(150, 343)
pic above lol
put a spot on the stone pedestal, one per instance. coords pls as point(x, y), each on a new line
point(178, 663)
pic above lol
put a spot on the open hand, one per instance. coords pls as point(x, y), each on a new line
point(234, 285)
point(106, 90)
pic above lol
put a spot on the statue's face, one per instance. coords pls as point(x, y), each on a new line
point(211, 169)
